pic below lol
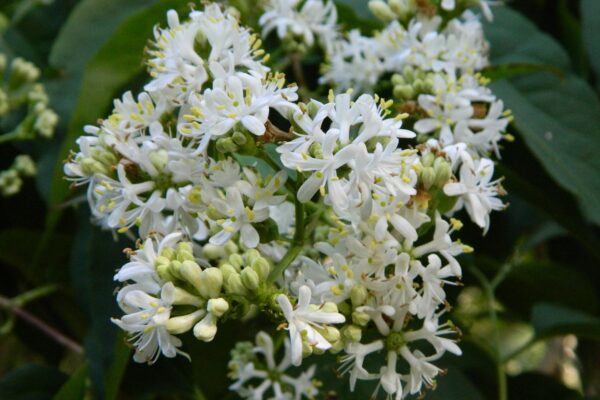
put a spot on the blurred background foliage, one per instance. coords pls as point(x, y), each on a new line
point(529, 309)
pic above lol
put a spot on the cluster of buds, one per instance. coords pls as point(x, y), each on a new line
point(24, 100)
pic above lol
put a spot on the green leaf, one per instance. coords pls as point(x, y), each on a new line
point(31, 382)
point(559, 119)
point(95, 257)
point(590, 21)
point(75, 387)
point(115, 373)
point(535, 281)
point(550, 320)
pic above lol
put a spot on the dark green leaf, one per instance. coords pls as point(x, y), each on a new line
point(559, 119)
point(549, 320)
point(535, 386)
point(115, 373)
point(75, 387)
point(31, 382)
point(590, 20)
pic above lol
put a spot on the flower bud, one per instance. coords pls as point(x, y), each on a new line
point(443, 172)
point(184, 323)
point(381, 10)
point(212, 251)
point(250, 279)
point(159, 159)
point(330, 334)
point(185, 246)
point(360, 318)
point(329, 307)
point(400, 8)
point(404, 92)
point(164, 272)
point(358, 295)
point(206, 329)
point(231, 247)
point(227, 269)
point(239, 138)
point(168, 252)
point(234, 285)
point(183, 297)
point(211, 282)
point(250, 255)
point(184, 255)
point(352, 333)
point(262, 268)
point(428, 177)
point(24, 165)
point(226, 145)
point(217, 307)
point(237, 261)
point(191, 272)
point(175, 269)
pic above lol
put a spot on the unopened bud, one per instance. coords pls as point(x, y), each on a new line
point(212, 251)
point(329, 307)
point(227, 269)
point(211, 282)
point(217, 307)
point(358, 295)
point(184, 323)
point(352, 333)
point(206, 329)
point(237, 261)
point(159, 159)
point(428, 177)
point(183, 297)
point(360, 318)
point(234, 285)
point(191, 272)
point(262, 268)
point(226, 145)
point(239, 138)
point(250, 279)
point(443, 172)
point(381, 10)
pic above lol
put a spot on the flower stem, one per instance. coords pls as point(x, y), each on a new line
point(31, 319)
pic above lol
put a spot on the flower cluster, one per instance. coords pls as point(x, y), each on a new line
point(24, 100)
point(333, 217)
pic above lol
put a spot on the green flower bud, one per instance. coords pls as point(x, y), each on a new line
point(103, 156)
point(329, 307)
point(226, 145)
point(213, 213)
point(184, 323)
point(90, 166)
point(400, 7)
point(211, 282)
point(164, 272)
point(262, 268)
point(183, 297)
point(336, 347)
point(397, 79)
point(237, 261)
point(227, 269)
point(360, 318)
point(358, 295)
point(330, 333)
point(185, 246)
point(192, 273)
point(404, 92)
point(381, 10)
point(185, 256)
point(24, 165)
point(352, 333)
point(251, 254)
point(250, 279)
point(239, 138)
point(428, 177)
point(168, 252)
point(231, 247)
point(307, 349)
point(175, 269)
point(313, 109)
point(234, 285)
point(443, 172)
point(428, 159)
point(217, 307)
point(159, 159)
point(213, 252)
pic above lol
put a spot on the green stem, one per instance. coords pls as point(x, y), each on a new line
point(297, 241)
point(34, 294)
point(489, 289)
point(10, 136)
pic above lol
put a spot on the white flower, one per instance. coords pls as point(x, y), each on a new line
point(315, 18)
point(303, 322)
point(238, 218)
point(354, 359)
point(477, 190)
point(237, 100)
point(147, 324)
point(273, 376)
